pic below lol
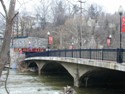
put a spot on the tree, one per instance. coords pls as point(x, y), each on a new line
point(94, 12)
point(8, 30)
point(42, 13)
point(26, 24)
point(59, 14)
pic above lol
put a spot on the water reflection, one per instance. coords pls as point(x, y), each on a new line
point(31, 83)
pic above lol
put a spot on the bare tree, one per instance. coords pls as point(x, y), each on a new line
point(42, 14)
point(59, 13)
point(26, 24)
point(8, 30)
point(94, 12)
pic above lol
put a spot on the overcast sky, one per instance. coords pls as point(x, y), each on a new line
point(109, 6)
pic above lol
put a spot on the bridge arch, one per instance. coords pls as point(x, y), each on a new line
point(74, 70)
point(102, 77)
point(51, 66)
point(54, 67)
point(80, 69)
point(32, 66)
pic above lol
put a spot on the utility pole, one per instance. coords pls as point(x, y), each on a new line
point(80, 32)
point(17, 25)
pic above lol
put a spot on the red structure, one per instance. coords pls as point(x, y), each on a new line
point(50, 40)
point(29, 49)
point(123, 24)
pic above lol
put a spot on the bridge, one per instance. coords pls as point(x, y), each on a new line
point(78, 62)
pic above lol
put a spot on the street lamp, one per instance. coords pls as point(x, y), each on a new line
point(48, 33)
point(120, 10)
point(120, 13)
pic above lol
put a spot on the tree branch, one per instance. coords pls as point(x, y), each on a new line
point(2, 15)
point(4, 7)
point(15, 15)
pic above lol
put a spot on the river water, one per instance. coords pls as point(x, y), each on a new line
point(31, 83)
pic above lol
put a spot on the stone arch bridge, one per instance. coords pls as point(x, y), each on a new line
point(76, 67)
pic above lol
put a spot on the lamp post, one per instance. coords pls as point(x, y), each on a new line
point(120, 13)
point(120, 10)
point(48, 33)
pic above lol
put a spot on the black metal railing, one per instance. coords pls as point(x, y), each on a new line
point(117, 55)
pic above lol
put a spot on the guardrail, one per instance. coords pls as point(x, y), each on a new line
point(117, 55)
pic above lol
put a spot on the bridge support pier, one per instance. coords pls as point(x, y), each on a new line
point(76, 80)
point(77, 72)
point(40, 65)
point(74, 72)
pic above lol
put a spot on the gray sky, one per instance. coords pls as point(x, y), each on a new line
point(109, 6)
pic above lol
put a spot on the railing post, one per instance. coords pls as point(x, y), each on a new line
point(59, 52)
point(65, 52)
point(90, 53)
point(48, 52)
point(80, 53)
point(54, 53)
point(72, 53)
point(119, 55)
point(102, 54)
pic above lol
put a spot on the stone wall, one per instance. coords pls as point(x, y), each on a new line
point(15, 58)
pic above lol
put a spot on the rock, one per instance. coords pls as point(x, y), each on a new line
point(68, 90)
point(39, 89)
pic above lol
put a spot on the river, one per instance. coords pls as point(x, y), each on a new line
point(31, 83)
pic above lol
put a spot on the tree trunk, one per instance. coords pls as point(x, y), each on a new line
point(7, 37)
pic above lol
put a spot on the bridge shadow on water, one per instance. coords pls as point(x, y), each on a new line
point(104, 78)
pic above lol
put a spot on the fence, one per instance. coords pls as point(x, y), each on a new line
point(117, 55)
